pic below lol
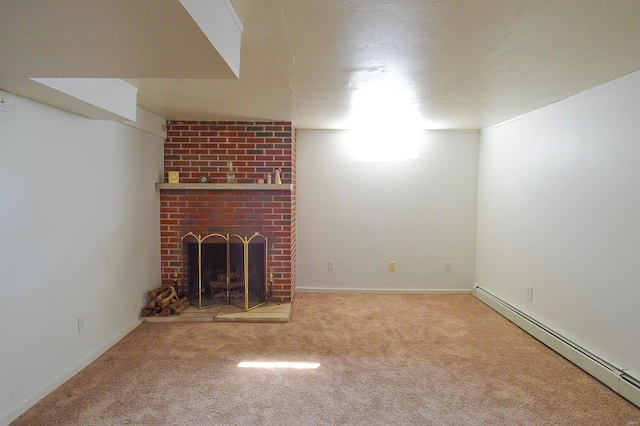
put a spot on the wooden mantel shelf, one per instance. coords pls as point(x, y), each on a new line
point(227, 186)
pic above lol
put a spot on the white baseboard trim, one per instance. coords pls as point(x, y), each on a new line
point(379, 290)
point(14, 414)
point(609, 374)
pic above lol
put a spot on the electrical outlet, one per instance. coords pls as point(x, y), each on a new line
point(81, 324)
point(330, 265)
point(447, 266)
point(530, 294)
point(392, 266)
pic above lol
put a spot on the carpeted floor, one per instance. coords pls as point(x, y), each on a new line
point(385, 359)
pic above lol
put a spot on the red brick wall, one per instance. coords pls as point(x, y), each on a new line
point(197, 148)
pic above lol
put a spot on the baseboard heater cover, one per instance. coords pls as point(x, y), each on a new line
point(630, 388)
point(612, 376)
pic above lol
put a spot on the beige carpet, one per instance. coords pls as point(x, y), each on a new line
point(385, 359)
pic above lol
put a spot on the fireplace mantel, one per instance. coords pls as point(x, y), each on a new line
point(227, 186)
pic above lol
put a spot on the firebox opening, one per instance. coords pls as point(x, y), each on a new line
point(225, 270)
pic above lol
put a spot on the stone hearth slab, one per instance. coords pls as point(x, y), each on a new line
point(269, 312)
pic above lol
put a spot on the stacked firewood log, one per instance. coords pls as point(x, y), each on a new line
point(164, 302)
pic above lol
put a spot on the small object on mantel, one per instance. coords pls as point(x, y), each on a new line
point(174, 177)
point(260, 180)
point(278, 179)
point(269, 178)
point(203, 179)
point(231, 177)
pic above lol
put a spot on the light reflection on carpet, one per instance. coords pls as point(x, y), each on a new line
point(279, 364)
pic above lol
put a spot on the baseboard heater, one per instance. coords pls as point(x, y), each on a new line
point(612, 376)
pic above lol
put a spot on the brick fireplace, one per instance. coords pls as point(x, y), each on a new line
point(201, 148)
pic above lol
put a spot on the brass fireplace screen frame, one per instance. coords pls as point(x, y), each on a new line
point(231, 289)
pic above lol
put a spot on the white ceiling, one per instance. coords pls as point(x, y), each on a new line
point(451, 64)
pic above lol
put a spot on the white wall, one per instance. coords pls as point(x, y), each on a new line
point(559, 210)
point(79, 236)
point(419, 213)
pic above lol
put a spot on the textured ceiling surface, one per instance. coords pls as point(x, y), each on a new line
point(331, 64)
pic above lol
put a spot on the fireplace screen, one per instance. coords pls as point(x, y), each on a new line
point(225, 269)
